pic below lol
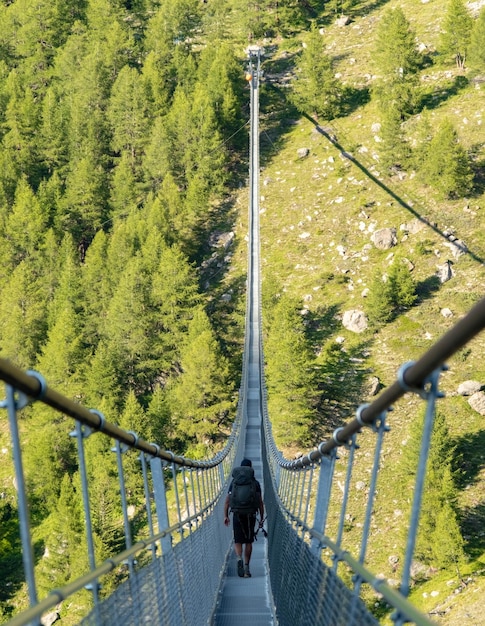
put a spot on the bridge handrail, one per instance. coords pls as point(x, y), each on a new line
point(412, 377)
point(32, 385)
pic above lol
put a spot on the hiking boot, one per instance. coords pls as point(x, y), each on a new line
point(240, 568)
point(247, 573)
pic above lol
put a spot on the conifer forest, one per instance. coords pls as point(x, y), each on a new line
point(123, 200)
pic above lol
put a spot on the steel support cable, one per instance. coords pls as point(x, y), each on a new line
point(414, 378)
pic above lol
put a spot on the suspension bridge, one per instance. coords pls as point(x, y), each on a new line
point(183, 572)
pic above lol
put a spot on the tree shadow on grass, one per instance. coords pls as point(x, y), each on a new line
point(435, 97)
point(470, 458)
point(427, 287)
point(354, 98)
point(468, 465)
point(472, 525)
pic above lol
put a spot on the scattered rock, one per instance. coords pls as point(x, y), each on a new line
point(360, 485)
point(469, 387)
point(477, 402)
point(446, 312)
point(355, 321)
point(384, 238)
point(412, 227)
point(445, 271)
point(303, 152)
point(374, 386)
point(457, 247)
point(217, 240)
point(50, 618)
point(344, 20)
point(417, 569)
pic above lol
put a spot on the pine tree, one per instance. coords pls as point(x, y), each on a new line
point(446, 166)
point(315, 89)
point(395, 150)
point(127, 114)
point(219, 71)
point(200, 398)
point(290, 376)
point(158, 415)
point(22, 315)
point(477, 42)
point(397, 62)
point(174, 299)
point(439, 542)
point(158, 159)
point(53, 132)
point(126, 324)
point(379, 306)
point(455, 39)
point(26, 223)
point(96, 287)
point(124, 191)
point(65, 554)
point(21, 124)
point(133, 418)
point(402, 287)
point(83, 208)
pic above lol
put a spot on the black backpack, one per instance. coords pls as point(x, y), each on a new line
point(244, 492)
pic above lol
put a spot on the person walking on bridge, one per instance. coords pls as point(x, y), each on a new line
point(244, 499)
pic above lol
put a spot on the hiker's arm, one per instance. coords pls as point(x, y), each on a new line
point(261, 510)
point(226, 511)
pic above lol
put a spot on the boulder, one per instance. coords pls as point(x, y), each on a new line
point(445, 271)
point(355, 321)
point(413, 227)
point(49, 618)
point(477, 402)
point(469, 387)
point(385, 238)
point(374, 386)
point(344, 20)
point(457, 247)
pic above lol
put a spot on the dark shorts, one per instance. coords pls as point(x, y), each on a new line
point(243, 526)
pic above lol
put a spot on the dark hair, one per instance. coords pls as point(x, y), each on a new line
point(246, 463)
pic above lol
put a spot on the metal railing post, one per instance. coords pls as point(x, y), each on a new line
point(12, 404)
point(160, 502)
point(121, 478)
point(81, 433)
point(430, 394)
point(327, 465)
point(146, 490)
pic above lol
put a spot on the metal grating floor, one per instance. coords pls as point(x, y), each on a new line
point(248, 600)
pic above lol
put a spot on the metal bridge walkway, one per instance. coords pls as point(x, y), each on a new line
point(249, 600)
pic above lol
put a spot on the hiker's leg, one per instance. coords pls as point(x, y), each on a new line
point(238, 549)
point(248, 550)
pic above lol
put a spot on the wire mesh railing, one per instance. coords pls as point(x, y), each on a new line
point(185, 546)
point(303, 492)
